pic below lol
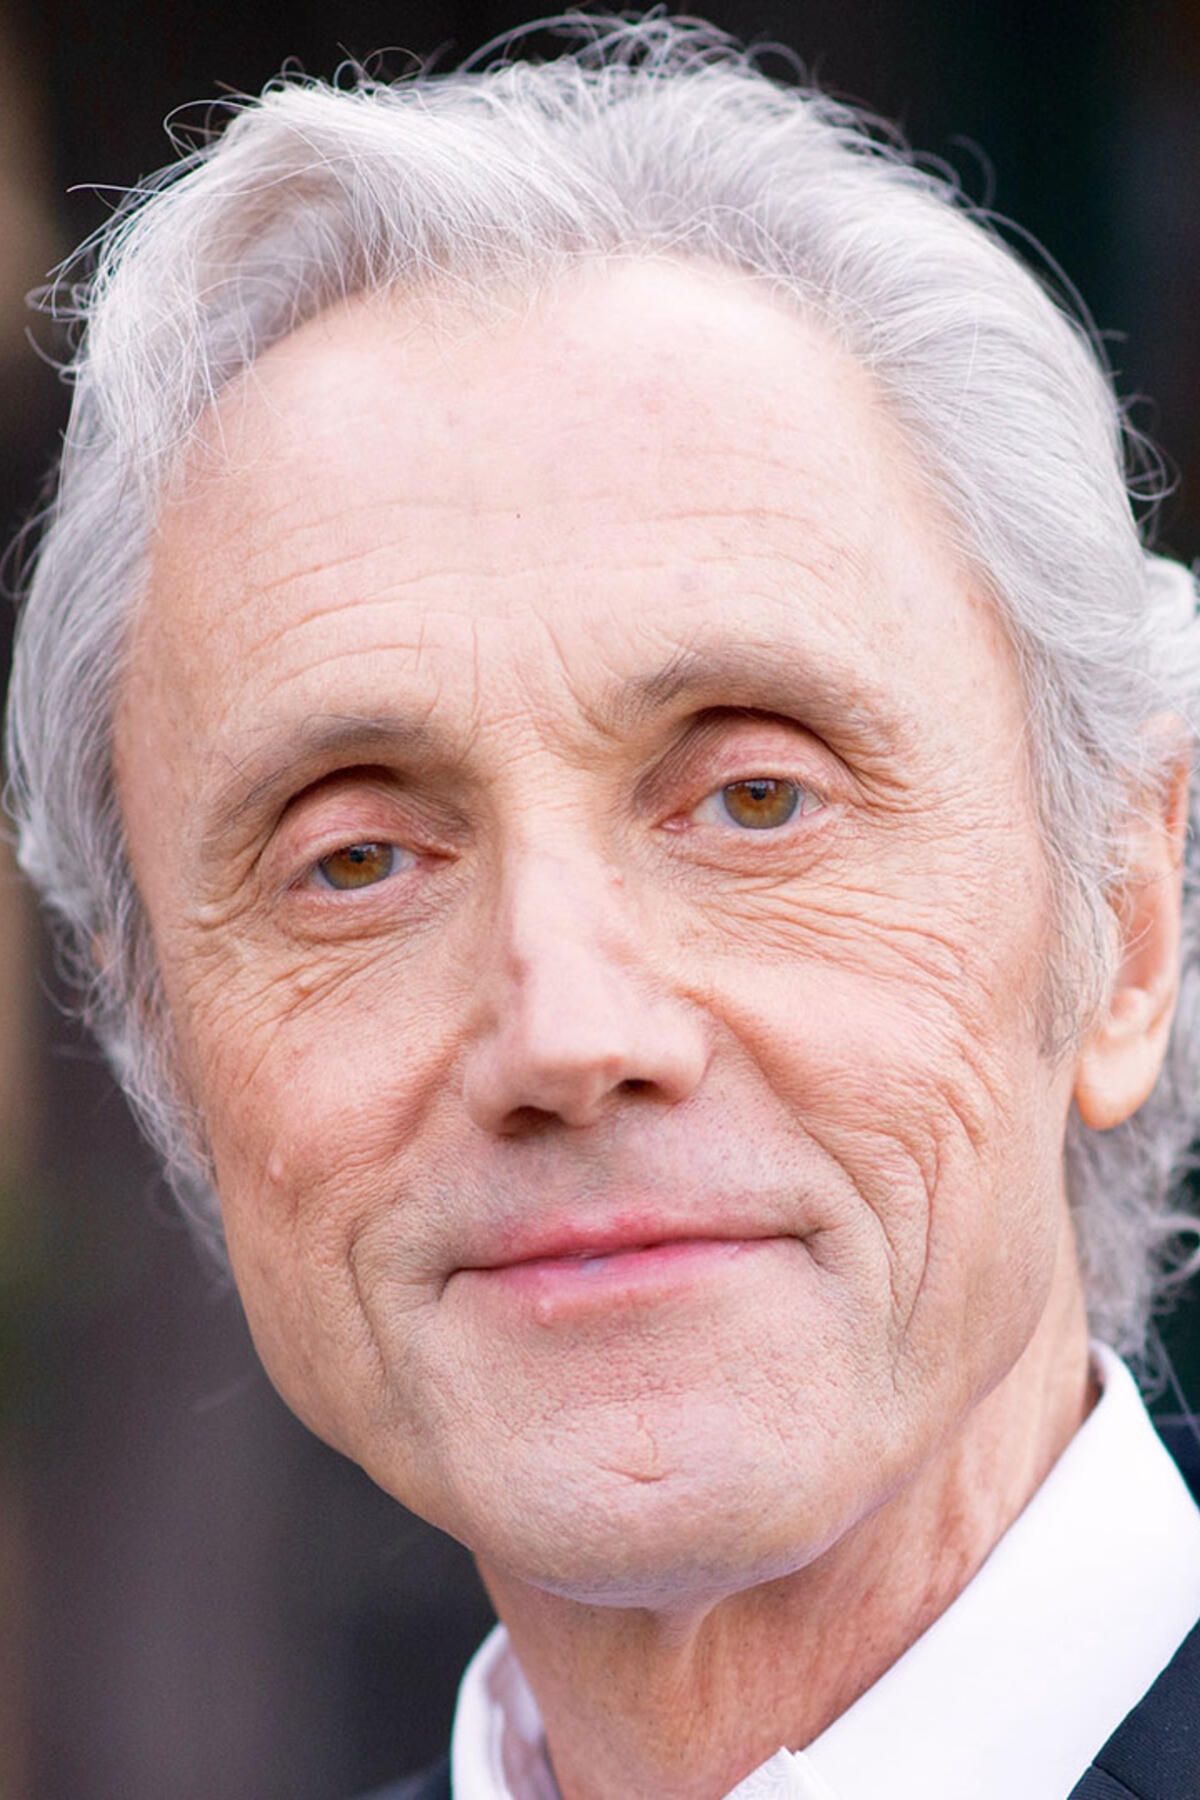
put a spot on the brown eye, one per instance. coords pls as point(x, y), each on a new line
point(358, 866)
point(761, 802)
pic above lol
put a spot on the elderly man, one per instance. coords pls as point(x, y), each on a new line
point(616, 774)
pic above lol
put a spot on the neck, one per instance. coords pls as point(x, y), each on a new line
point(642, 1702)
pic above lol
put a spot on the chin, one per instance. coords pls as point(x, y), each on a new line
point(613, 1534)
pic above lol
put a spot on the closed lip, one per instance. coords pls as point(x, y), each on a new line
point(576, 1242)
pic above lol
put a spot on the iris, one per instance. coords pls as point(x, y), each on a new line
point(760, 802)
point(358, 865)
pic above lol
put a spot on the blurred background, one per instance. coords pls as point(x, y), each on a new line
point(196, 1599)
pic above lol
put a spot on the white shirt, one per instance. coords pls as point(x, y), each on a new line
point(1011, 1691)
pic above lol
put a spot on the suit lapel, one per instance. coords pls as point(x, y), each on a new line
point(1096, 1785)
point(1155, 1753)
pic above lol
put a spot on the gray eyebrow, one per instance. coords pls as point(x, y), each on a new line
point(744, 674)
point(765, 677)
point(292, 756)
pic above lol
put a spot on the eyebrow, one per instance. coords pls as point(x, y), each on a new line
point(850, 707)
point(297, 755)
point(746, 675)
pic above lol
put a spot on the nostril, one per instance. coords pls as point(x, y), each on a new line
point(528, 1121)
point(532, 1121)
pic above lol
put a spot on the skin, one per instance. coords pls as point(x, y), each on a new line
point(525, 598)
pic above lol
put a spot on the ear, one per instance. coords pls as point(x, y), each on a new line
point(1120, 1058)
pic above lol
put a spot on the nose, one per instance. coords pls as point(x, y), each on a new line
point(575, 1012)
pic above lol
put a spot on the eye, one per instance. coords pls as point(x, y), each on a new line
point(359, 866)
point(759, 803)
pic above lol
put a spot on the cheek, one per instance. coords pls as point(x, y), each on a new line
point(943, 1125)
point(308, 1080)
point(310, 1099)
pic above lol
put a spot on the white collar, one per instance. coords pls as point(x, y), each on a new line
point(1012, 1690)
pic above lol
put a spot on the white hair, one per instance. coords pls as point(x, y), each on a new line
point(650, 138)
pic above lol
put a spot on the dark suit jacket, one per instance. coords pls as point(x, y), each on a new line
point(1154, 1754)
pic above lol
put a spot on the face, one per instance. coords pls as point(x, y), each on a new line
point(578, 798)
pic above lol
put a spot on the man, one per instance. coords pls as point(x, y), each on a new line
point(617, 774)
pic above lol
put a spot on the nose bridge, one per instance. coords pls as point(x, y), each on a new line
point(569, 954)
point(575, 1010)
point(560, 904)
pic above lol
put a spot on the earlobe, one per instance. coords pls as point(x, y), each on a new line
point(1120, 1058)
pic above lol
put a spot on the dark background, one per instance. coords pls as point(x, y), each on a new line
point(196, 1599)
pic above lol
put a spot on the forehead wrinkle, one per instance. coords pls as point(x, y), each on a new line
point(357, 605)
point(389, 546)
point(569, 558)
point(440, 573)
point(277, 684)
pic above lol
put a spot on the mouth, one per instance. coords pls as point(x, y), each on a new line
point(611, 1268)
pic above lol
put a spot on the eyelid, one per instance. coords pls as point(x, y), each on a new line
point(725, 745)
point(339, 814)
point(365, 805)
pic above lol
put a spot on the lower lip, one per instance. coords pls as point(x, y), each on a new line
point(552, 1283)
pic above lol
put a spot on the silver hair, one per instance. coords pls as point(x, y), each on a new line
point(649, 138)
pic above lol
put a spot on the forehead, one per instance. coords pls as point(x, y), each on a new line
point(654, 466)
